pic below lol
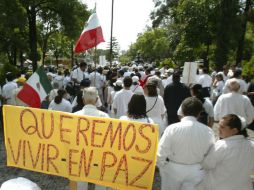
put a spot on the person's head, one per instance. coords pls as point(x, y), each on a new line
point(9, 76)
point(127, 82)
point(197, 91)
point(225, 69)
point(85, 83)
point(66, 72)
point(176, 76)
point(137, 106)
point(237, 73)
point(151, 88)
point(60, 95)
point(21, 81)
point(118, 85)
point(205, 70)
point(148, 70)
point(231, 125)
point(83, 66)
point(192, 106)
point(55, 85)
point(234, 85)
point(135, 80)
point(90, 95)
point(219, 77)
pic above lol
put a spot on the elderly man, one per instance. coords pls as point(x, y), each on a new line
point(182, 148)
point(234, 103)
point(90, 96)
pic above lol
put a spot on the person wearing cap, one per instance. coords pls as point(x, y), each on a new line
point(234, 103)
point(183, 147)
point(122, 98)
point(15, 100)
point(229, 162)
point(174, 94)
point(8, 89)
point(135, 87)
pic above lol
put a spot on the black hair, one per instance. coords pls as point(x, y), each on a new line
point(198, 92)
point(83, 64)
point(59, 97)
point(192, 106)
point(233, 121)
point(137, 107)
point(127, 82)
point(151, 88)
point(9, 76)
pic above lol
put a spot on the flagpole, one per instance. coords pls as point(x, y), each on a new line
point(111, 34)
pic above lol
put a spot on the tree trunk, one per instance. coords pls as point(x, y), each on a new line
point(72, 56)
point(206, 59)
point(21, 59)
point(239, 53)
point(14, 55)
point(32, 35)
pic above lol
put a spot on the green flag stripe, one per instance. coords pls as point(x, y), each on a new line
point(44, 79)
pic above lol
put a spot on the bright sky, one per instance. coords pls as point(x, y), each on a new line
point(130, 18)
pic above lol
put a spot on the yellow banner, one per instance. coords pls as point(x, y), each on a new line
point(110, 152)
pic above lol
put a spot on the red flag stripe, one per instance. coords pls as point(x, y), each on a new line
point(29, 96)
point(89, 39)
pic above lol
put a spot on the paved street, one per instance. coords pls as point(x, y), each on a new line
point(46, 182)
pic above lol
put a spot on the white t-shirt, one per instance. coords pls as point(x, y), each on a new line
point(229, 164)
point(136, 89)
point(79, 74)
point(7, 91)
point(185, 142)
point(144, 120)
point(121, 101)
point(234, 103)
point(64, 106)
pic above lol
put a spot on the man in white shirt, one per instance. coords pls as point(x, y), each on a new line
point(122, 98)
point(80, 73)
point(183, 147)
point(8, 88)
point(90, 96)
point(206, 81)
point(234, 103)
point(243, 85)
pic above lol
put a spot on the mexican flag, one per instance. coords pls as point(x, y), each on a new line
point(35, 89)
point(91, 36)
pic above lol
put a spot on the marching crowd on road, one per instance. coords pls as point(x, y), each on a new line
point(189, 155)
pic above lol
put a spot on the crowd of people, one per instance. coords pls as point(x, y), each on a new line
point(189, 157)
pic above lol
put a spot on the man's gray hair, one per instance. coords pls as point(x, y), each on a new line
point(90, 94)
point(234, 85)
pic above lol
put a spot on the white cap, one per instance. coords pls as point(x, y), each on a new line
point(118, 83)
point(135, 79)
point(19, 183)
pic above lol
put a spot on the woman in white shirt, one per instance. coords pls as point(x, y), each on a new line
point(155, 108)
point(229, 162)
point(137, 110)
point(60, 103)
